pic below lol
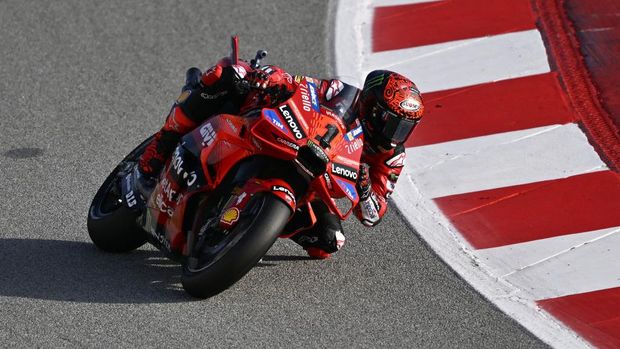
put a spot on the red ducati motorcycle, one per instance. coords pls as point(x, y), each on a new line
point(232, 185)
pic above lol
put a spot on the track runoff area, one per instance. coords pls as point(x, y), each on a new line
point(512, 176)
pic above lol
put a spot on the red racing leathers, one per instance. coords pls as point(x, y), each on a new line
point(217, 91)
point(380, 169)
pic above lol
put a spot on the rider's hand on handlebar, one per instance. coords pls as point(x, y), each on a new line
point(258, 79)
point(363, 182)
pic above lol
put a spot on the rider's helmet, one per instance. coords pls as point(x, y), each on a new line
point(390, 107)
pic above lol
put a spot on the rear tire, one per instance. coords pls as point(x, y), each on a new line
point(253, 235)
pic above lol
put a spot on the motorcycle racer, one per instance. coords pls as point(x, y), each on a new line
point(388, 107)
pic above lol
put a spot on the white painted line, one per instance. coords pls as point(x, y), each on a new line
point(501, 160)
point(465, 62)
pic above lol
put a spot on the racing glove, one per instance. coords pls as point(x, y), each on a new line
point(363, 183)
point(369, 208)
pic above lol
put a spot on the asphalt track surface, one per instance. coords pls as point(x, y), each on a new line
point(83, 82)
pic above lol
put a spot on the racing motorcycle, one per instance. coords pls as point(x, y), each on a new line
point(232, 186)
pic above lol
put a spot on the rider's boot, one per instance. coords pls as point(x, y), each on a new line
point(163, 143)
point(325, 237)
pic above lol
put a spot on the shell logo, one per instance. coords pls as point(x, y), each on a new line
point(410, 104)
point(230, 216)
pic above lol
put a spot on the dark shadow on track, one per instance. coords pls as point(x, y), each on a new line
point(79, 272)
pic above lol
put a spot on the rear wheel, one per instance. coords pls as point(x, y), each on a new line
point(221, 258)
point(111, 225)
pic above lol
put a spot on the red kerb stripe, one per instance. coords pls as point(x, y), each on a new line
point(521, 213)
point(402, 26)
point(594, 315)
point(503, 106)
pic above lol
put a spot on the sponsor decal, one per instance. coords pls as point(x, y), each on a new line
point(298, 78)
point(190, 178)
point(232, 126)
point(287, 143)
point(354, 146)
point(314, 98)
point(289, 194)
point(161, 239)
point(177, 166)
point(168, 190)
point(370, 210)
point(353, 134)
point(230, 216)
point(275, 119)
point(208, 134)
point(217, 95)
point(306, 102)
point(177, 161)
point(130, 197)
point(373, 82)
point(397, 160)
point(330, 113)
point(327, 181)
point(183, 96)
point(410, 104)
point(292, 122)
point(348, 189)
point(344, 172)
point(241, 197)
point(161, 205)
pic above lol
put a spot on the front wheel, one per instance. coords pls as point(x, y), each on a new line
point(111, 225)
point(223, 258)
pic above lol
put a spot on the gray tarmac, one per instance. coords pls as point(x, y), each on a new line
point(83, 82)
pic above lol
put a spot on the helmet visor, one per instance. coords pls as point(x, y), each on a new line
point(396, 129)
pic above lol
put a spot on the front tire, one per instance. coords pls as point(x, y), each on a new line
point(219, 266)
point(111, 225)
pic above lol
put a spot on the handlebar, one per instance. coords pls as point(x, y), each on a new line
point(260, 54)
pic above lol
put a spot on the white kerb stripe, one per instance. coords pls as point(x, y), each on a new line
point(377, 3)
point(466, 62)
point(434, 227)
point(501, 160)
point(589, 267)
point(504, 260)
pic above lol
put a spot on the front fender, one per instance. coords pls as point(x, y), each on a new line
point(242, 195)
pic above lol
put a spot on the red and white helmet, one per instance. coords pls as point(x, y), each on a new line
point(390, 107)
